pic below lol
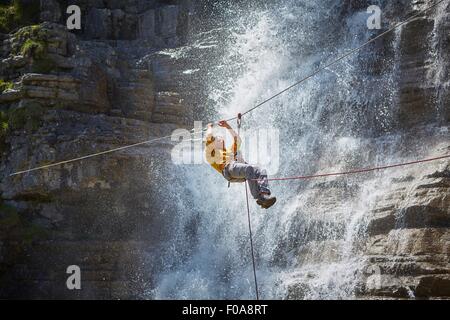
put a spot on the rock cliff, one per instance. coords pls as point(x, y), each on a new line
point(69, 94)
point(393, 225)
point(139, 69)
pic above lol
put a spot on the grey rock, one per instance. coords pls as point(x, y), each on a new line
point(50, 11)
point(10, 95)
point(433, 286)
point(112, 87)
point(147, 25)
point(99, 24)
point(167, 23)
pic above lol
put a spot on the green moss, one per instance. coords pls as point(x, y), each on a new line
point(9, 16)
point(4, 126)
point(33, 31)
point(33, 48)
point(18, 13)
point(34, 45)
point(33, 40)
point(31, 37)
point(4, 85)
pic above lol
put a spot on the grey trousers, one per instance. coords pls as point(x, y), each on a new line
point(237, 170)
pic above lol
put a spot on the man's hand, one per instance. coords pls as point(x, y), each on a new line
point(224, 124)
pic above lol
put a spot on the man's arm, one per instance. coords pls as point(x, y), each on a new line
point(209, 133)
point(236, 138)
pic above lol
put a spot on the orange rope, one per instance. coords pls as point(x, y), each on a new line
point(356, 171)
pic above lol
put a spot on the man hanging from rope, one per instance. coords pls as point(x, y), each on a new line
point(230, 164)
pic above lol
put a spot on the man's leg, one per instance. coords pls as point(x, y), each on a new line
point(256, 178)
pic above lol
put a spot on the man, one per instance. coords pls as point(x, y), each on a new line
point(233, 168)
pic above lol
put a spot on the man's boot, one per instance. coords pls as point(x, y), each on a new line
point(266, 201)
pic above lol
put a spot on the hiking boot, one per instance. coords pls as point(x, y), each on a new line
point(266, 201)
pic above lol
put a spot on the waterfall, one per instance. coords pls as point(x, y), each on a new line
point(308, 246)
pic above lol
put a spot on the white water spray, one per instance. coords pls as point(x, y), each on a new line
point(307, 245)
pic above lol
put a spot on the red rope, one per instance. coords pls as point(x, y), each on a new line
point(356, 171)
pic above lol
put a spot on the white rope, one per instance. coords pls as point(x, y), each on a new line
point(97, 154)
point(248, 111)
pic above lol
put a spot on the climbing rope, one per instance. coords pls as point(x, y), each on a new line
point(356, 171)
point(236, 139)
point(92, 155)
point(239, 123)
point(249, 110)
point(239, 120)
point(350, 52)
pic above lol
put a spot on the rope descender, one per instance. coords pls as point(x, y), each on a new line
point(239, 120)
point(235, 147)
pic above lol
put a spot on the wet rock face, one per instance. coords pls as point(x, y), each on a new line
point(158, 22)
point(50, 11)
point(408, 232)
point(415, 55)
point(69, 95)
point(409, 239)
point(422, 81)
point(129, 75)
point(388, 238)
point(399, 245)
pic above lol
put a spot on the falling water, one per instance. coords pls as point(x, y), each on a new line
point(308, 245)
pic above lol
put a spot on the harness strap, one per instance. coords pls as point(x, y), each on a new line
point(236, 139)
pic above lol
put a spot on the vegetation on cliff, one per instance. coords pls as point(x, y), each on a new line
point(3, 130)
point(18, 13)
point(4, 85)
point(32, 43)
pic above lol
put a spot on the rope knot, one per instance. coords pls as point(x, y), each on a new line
point(239, 119)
